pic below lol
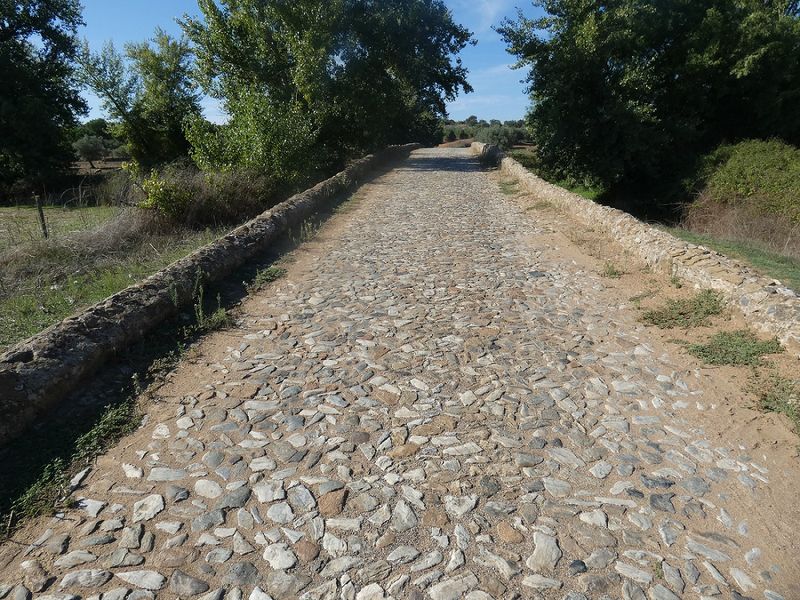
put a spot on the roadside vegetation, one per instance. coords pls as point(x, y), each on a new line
point(737, 348)
point(723, 163)
point(686, 312)
point(778, 394)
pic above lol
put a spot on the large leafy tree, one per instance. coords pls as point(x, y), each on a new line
point(314, 78)
point(39, 98)
point(149, 91)
point(629, 90)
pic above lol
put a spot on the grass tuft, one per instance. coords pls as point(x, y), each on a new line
point(265, 276)
point(777, 394)
point(611, 271)
point(51, 489)
point(690, 312)
point(737, 348)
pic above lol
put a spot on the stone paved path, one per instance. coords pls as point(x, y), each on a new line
point(433, 404)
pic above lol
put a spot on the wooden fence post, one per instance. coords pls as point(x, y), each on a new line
point(39, 208)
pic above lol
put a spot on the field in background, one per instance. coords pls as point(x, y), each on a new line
point(20, 224)
point(91, 253)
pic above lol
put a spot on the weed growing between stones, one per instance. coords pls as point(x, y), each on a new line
point(690, 312)
point(637, 300)
point(740, 347)
point(777, 394)
point(265, 276)
point(611, 271)
point(307, 231)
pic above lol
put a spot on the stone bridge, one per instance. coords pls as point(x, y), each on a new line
point(442, 399)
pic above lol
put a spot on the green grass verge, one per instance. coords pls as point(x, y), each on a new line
point(736, 348)
point(689, 312)
point(783, 268)
point(44, 301)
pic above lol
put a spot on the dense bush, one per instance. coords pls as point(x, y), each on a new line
point(500, 135)
point(764, 175)
point(749, 192)
point(183, 195)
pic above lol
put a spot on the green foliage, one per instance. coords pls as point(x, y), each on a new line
point(39, 100)
point(94, 127)
point(205, 322)
point(261, 135)
point(265, 276)
point(165, 196)
point(777, 394)
point(90, 148)
point(500, 135)
point(762, 174)
point(529, 159)
point(509, 188)
point(633, 90)
point(611, 271)
point(322, 80)
point(150, 91)
point(737, 348)
point(690, 312)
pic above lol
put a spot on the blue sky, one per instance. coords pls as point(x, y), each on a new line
point(498, 92)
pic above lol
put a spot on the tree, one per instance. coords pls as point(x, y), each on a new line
point(353, 75)
point(632, 90)
point(90, 148)
point(150, 92)
point(93, 127)
point(39, 99)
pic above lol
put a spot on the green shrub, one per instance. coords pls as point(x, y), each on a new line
point(690, 312)
point(499, 135)
point(165, 196)
point(762, 174)
point(777, 394)
point(737, 348)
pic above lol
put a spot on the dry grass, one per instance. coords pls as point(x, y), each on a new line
point(744, 223)
point(20, 225)
point(44, 281)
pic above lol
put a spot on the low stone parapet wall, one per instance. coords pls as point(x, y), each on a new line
point(767, 305)
point(39, 372)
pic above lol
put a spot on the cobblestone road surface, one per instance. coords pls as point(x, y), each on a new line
point(431, 406)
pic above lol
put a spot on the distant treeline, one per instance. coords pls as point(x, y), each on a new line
point(501, 133)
